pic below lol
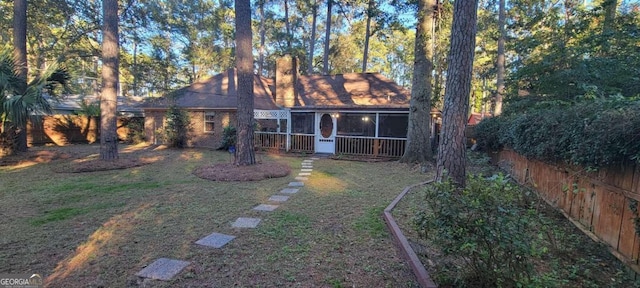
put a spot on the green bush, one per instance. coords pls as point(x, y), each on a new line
point(483, 228)
point(135, 133)
point(228, 137)
point(176, 130)
point(592, 134)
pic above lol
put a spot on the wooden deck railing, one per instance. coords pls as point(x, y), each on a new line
point(302, 143)
point(368, 146)
point(348, 145)
point(271, 140)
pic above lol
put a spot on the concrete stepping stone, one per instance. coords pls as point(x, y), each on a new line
point(265, 207)
point(296, 184)
point(215, 240)
point(306, 170)
point(306, 166)
point(278, 198)
point(289, 191)
point(315, 158)
point(244, 222)
point(163, 269)
point(302, 178)
point(307, 161)
point(304, 174)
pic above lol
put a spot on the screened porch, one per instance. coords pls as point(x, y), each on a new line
point(361, 133)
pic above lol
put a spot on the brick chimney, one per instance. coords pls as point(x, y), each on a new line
point(286, 77)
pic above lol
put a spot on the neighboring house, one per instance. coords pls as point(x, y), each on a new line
point(355, 113)
point(475, 118)
point(72, 121)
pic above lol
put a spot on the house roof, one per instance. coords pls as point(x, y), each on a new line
point(475, 118)
point(352, 90)
point(68, 104)
point(343, 91)
point(217, 92)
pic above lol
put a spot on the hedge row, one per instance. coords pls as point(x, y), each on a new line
point(591, 134)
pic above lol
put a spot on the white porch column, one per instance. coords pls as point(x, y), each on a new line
point(377, 123)
point(288, 111)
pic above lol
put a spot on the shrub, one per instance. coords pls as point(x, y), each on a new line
point(176, 130)
point(228, 137)
point(483, 228)
point(592, 134)
point(135, 131)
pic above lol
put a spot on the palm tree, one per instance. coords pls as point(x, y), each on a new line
point(16, 109)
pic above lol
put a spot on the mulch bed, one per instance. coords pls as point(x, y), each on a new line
point(94, 165)
point(43, 156)
point(232, 172)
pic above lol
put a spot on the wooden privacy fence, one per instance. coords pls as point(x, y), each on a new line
point(68, 129)
point(383, 147)
point(603, 203)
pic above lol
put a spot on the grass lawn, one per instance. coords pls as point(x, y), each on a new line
point(97, 229)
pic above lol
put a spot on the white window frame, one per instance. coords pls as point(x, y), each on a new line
point(212, 114)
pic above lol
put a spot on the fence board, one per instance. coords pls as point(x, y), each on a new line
point(635, 187)
point(609, 206)
point(628, 236)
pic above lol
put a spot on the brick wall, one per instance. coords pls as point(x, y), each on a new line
point(154, 121)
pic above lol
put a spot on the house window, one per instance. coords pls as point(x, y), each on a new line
point(302, 123)
point(209, 122)
point(393, 125)
point(267, 125)
point(357, 124)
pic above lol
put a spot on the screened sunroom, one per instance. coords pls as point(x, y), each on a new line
point(371, 133)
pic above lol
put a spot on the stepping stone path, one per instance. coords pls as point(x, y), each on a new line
point(278, 198)
point(243, 222)
point(165, 269)
point(265, 207)
point(215, 240)
point(289, 191)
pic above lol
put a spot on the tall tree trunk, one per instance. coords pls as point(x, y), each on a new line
point(327, 37)
point(452, 152)
point(287, 25)
point(610, 7)
point(262, 37)
point(367, 35)
point(135, 66)
point(109, 97)
point(501, 60)
point(608, 24)
point(245, 154)
point(312, 41)
point(419, 133)
point(20, 54)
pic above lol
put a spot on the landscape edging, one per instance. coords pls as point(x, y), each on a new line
point(403, 244)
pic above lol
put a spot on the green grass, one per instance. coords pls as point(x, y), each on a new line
point(100, 228)
point(57, 215)
point(372, 223)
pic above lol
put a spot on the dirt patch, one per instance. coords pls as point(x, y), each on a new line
point(232, 172)
point(93, 165)
point(32, 157)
